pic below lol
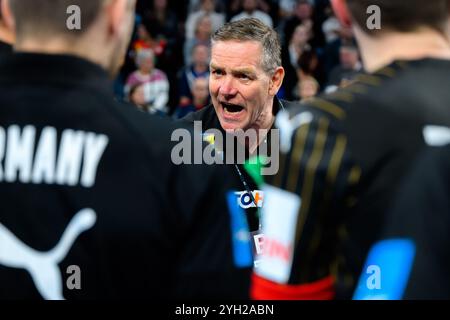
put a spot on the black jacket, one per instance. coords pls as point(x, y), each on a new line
point(94, 179)
point(209, 120)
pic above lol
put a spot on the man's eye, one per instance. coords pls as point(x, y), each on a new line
point(243, 77)
point(217, 72)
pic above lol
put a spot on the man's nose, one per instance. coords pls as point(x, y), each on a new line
point(227, 87)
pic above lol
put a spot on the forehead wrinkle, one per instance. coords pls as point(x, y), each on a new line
point(234, 52)
point(245, 69)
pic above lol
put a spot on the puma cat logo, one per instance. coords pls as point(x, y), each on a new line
point(43, 266)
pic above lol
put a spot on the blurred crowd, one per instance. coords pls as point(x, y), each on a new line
point(167, 66)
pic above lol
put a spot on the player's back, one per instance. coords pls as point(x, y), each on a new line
point(406, 106)
point(88, 182)
point(347, 155)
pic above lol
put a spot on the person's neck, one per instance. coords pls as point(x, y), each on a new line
point(58, 47)
point(262, 127)
point(425, 43)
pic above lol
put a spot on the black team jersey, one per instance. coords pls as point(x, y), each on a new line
point(92, 205)
point(417, 234)
point(422, 213)
point(344, 156)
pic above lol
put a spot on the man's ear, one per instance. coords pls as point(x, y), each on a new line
point(116, 11)
point(276, 81)
point(7, 16)
point(342, 13)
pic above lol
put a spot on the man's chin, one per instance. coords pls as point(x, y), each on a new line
point(231, 126)
point(232, 122)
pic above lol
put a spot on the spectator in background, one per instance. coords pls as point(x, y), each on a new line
point(203, 32)
point(331, 26)
point(200, 98)
point(250, 10)
point(165, 25)
point(193, 5)
point(146, 40)
point(198, 69)
point(163, 22)
point(309, 70)
point(310, 65)
point(207, 8)
point(308, 88)
point(137, 96)
point(332, 49)
point(291, 54)
point(154, 81)
point(303, 12)
point(348, 68)
point(287, 8)
point(234, 7)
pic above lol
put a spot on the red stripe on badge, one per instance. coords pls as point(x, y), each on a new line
point(263, 289)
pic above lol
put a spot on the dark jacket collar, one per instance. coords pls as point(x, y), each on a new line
point(45, 68)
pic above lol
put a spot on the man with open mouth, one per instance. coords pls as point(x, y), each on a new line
point(246, 75)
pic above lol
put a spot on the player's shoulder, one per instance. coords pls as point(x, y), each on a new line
point(206, 114)
point(152, 134)
point(367, 93)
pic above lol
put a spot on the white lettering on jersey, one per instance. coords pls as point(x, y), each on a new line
point(69, 158)
point(94, 147)
point(44, 162)
point(19, 154)
point(43, 266)
point(75, 162)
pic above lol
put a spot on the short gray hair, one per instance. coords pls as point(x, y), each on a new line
point(252, 29)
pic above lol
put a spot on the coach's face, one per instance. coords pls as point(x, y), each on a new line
point(241, 91)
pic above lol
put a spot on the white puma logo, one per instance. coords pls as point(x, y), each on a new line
point(288, 126)
point(43, 266)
